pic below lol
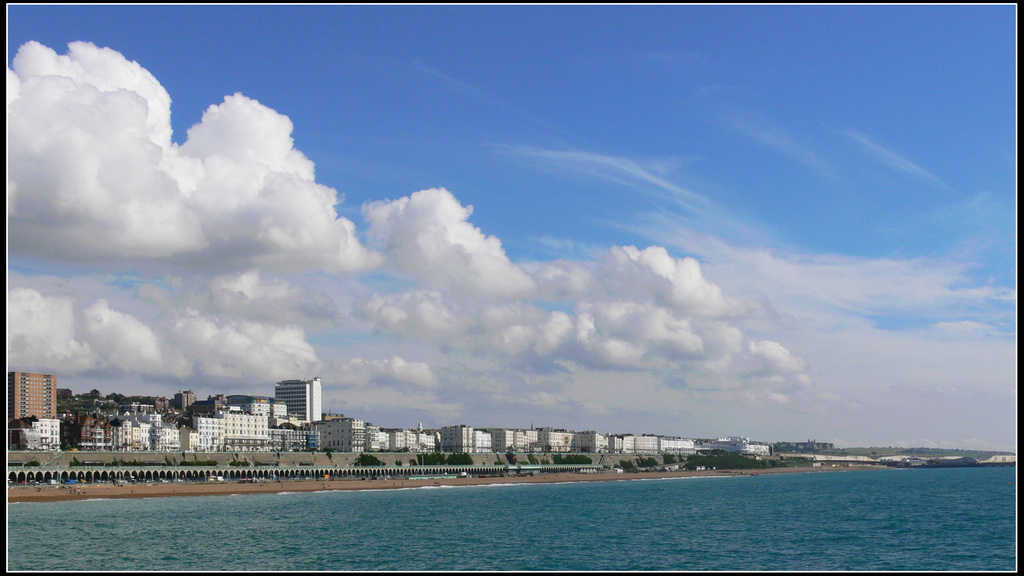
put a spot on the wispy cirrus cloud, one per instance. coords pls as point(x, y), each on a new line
point(768, 133)
point(476, 93)
point(681, 208)
point(893, 159)
point(620, 170)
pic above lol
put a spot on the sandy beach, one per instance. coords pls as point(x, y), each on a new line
point(48, 493)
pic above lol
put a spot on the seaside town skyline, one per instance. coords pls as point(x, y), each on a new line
point(290, 420)
point(779, 222)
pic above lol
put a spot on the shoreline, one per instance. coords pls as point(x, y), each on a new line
point(49, 493)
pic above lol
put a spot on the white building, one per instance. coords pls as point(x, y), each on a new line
point(286, 439)
point(554, 440)
point(209, 433)
point(614, 444)
point(412, 440)
point(457, 438)
point(302, 397)
point(645, 444)
point(427, 441)
point(526, 441)
point(342, 434)
point(622, 444)
point(376, 439)
point(259, 405)
point(481, 441)
point(133, 432)
point(589, 441)
point(49, 433)
point(400, 440)
point(503, 440)
point(163, 436)
point(742, 445)
point(671, 445)
point(243, 431)
point(44, 434)
point(122, 436)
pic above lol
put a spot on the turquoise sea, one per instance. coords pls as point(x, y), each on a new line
point(908, 520)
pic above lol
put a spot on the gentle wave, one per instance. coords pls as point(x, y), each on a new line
point(921, 520)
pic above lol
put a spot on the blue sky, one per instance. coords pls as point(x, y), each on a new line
point(775, 221)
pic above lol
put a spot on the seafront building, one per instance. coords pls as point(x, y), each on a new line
point(401, 440)
point(31, 433)
point(342, 434)
point(292, 420)
point(503, 440)
point(134, 431)
point(31, 394)
point(304, 398)
point(289, 439)
point(457, 438)
point(526, 441)
point(481, 441)
point(554, 440)
point(672, 445)
point(376, 439)
point(735, 444)
point(243, 431)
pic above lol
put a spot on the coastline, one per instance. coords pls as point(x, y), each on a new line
point(48, 493)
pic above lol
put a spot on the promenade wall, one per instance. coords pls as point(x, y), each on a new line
point(113, 466)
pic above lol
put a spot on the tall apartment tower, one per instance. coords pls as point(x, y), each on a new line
point(302, 397)
point(184, 399)
point(30, 394)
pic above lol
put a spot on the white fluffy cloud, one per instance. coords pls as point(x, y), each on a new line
point(674, 282)
point(394, 371)
point(428, 235)
point(244, 349)
point(86, 133)
point(125, 342)
point(265, 298)
point(235, 212)
point(417, 314)
point(41, 334)
point(777, 356)
point(90, 153)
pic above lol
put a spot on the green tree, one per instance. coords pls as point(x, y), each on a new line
point(459, 459)
point(365, 459)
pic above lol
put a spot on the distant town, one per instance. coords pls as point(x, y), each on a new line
point(44, 417)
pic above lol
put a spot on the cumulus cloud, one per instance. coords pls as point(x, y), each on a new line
point(394, 371)
point(777, 356)
point(258, 194)
point(125, 342)
point(675, 282)
point(260, 297)
point(632, 310)
point(90, 153)
point(85, 133)
point(91, 156)
point(415, 314)
point(244, 349)
point(428, 235)
point(41, 334)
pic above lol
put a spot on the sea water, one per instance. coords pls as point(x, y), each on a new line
point(921, 519)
